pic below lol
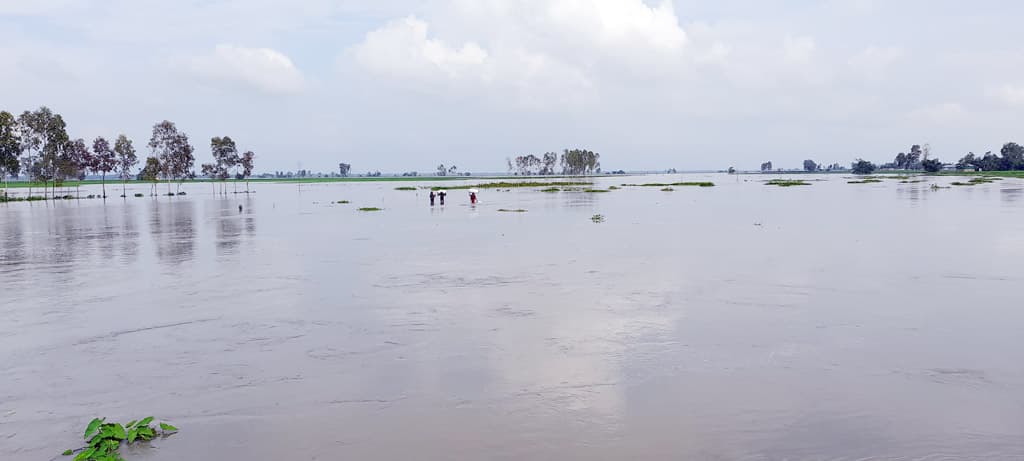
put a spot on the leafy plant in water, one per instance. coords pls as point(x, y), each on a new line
point(405, 188)
point(864, 181)
point(369, 209)
point(342, 202)
point(667, 189)
point(598, 218)
point(517, 210)
point(104, 439)
point(595, 190)
point(138, 194)
point(551, 189)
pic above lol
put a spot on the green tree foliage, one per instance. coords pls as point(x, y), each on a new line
point(44, 136)
point(1011, 157)
point(174, 151)
point(343, 169)
point(766, 167)
point(580, 162)
point(103, 160)
point(862, 166)
point(225, 157)
point(810, 165)
point(932, 165)
point(126, 159)
point(247, 165)
point(151, 172)
point(10, 147)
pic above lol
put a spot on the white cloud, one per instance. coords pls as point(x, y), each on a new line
point(264, 69)
point(873, 62)
point(1010, 95)
point(798, 49)
point(941, 114)
point(402, 49)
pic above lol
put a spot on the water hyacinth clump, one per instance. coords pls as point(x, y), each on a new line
point(370, 209)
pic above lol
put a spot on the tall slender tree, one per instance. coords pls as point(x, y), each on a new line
point(72, 163)
point(225, 157)
point(151, 172)
point(10, 147)
point(174, 151)
point(126, 160)
point(247, 164)
point(103, 160)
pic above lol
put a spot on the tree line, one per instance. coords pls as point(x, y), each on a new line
point(1010, 157)
point(36, 145)
point(572, 162)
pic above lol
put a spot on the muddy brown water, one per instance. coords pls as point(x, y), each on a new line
point(744, 321)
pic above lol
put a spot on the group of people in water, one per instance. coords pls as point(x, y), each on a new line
point(442, 194)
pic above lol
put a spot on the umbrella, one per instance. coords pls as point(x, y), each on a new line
point(474, 191)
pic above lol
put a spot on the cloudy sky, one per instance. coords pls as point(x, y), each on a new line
point(397, 85)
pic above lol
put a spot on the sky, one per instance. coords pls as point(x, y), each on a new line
point(404, 85)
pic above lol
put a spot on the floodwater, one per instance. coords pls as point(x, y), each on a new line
point(740, 322)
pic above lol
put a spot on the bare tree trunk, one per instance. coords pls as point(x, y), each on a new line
point(246, 184)
point(104, 182)
point(124, 193)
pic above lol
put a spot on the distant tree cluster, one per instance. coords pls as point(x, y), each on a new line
point(572, 162)
point(36, 144)
point(766, 167)
point(1011, 157)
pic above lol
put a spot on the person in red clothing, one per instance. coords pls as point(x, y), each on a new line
point(472, 198)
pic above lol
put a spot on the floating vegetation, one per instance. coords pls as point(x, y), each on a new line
point(912, 182)
point(668, 189)
point(181, 193)
point(614, 188)
point(342, 202)
point(370, 208)
point(976, 181)
point(787, 182)
point(681, 184)
point(596, 190)
point(551, 189)
point(937, 187)
point(509, 185)
point(405, 188)
point(517, 210)
point(170, 194)
point(105, 439)
point(139, 194)
point(598, 218)
point(864, 181)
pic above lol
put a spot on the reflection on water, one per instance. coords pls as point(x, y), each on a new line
point(834, 321)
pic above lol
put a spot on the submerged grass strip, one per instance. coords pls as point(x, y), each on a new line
point(405, 188)
point(680, 184)
point(787, 182)
point(370, 208)
point(864, 181)
point(509, 185)
point(517, 210)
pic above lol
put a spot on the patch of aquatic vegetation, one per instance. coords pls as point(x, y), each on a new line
point(976, 181)
point(517, 210)
point(864, 181)
point(676, 184)
point(911, 182)
point(598, 218)
point(667, 189)
point(787, 182)
point(614, 187)
point(937, 187)
point(405, 188)
point(370, 208)
point(596, 191)
point(104, 439)
point(551, 189)
point(342, 202)
point(138, 194)
point(509, 185)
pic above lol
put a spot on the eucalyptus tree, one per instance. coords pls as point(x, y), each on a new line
point(126, 160)
point(225, 156)
point(10, 147)
point(104, 160)
point(174, 152)
point(151, 172)
point(72, 163)
point(247, 164)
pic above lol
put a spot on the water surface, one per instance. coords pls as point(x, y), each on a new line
point(832, 321)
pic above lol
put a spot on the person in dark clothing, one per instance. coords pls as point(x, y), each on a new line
point(472, 198)
point(441, 196)
point(432, 195)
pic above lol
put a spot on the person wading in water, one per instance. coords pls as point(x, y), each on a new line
point(432, 195)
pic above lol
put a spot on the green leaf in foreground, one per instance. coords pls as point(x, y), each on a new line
point(168, 427)
point(117, 431)
point(93, 426)
point(67, 452)
point(145, 421)
point(132, 435)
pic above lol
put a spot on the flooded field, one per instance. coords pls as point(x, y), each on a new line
point(741, 321)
